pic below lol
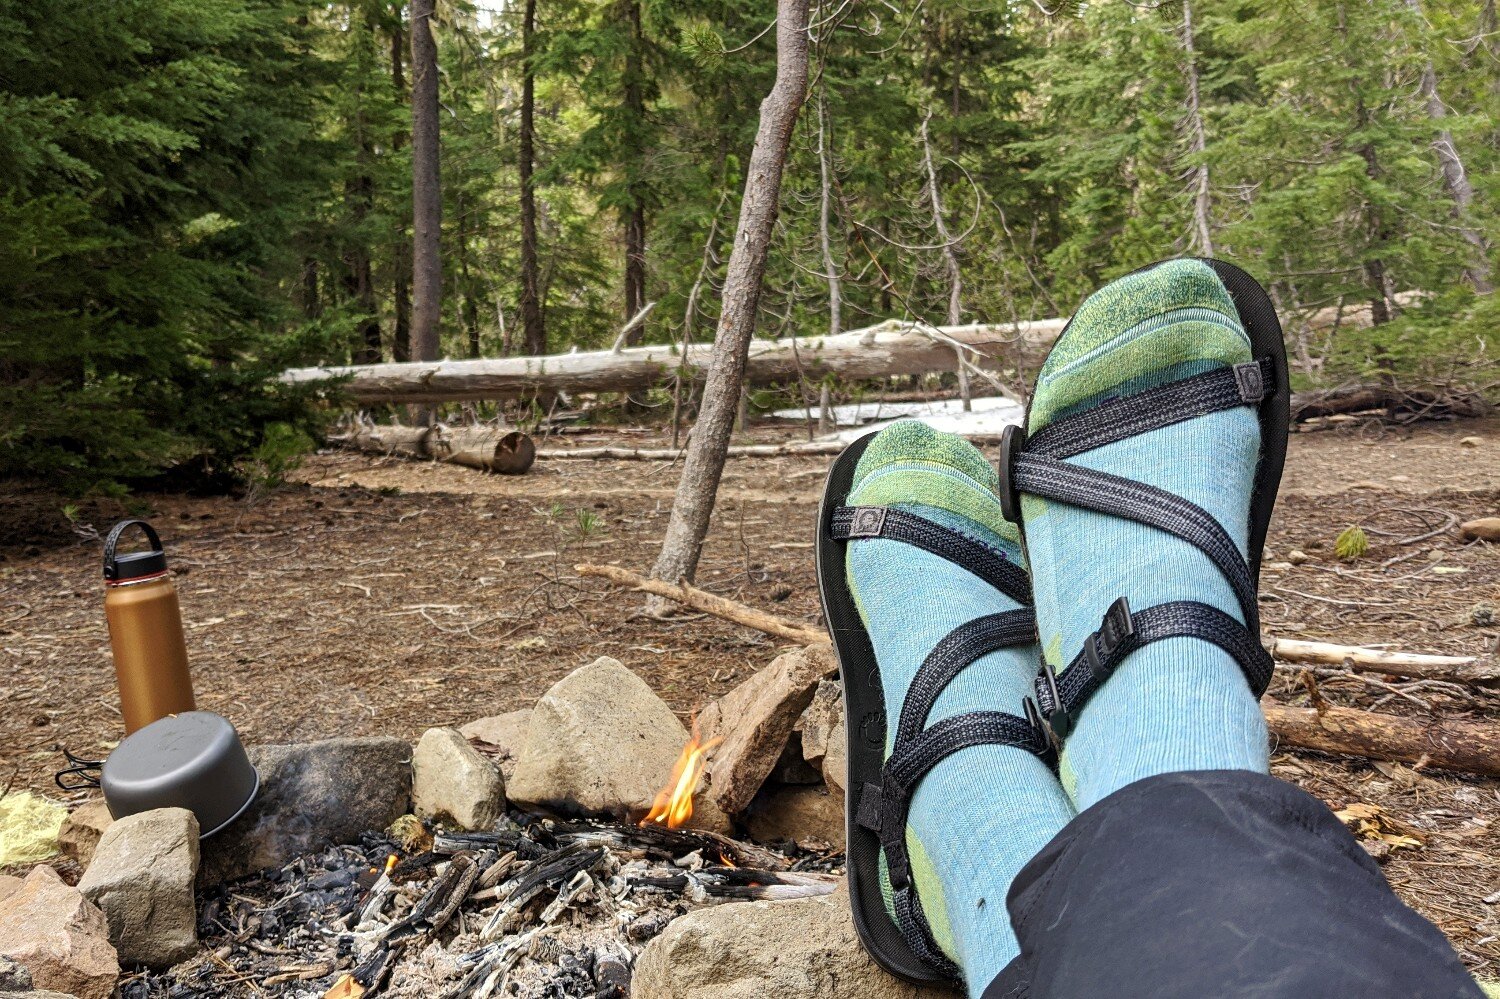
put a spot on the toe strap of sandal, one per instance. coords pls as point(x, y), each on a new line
point(851, 523)
point(1059, 697)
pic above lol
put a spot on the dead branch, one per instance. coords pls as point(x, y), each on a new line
point(709, 603)
point(1457, 669)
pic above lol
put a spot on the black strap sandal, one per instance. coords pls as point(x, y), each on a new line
point(880, 789)
point(1037, 466)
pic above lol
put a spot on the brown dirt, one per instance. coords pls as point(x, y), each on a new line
point(382, 596)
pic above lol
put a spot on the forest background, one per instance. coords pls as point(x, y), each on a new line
point(196, 194)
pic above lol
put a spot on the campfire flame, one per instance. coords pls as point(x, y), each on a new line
point(674, 804)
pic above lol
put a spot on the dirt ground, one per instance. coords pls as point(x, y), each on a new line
point(383, 596)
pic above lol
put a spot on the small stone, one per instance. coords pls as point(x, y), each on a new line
point(14, 977)
point(805, 948)
point(1296, 556)
point(1470, 441)
point(142, 880)
point(500, 737)
point(754, 720)
point(601, 742)
point(797, 814)
point(312, 795)
point(1483, 529)
point(1483, 614)
point(60, 936)
point(452, 783)
point(81, 831)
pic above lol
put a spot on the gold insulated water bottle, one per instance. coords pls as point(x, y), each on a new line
point(145, 631)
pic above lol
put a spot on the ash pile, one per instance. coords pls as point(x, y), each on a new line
point(539, 908)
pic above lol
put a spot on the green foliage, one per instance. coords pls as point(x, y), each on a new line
point(279, 453)
point(1351, 543)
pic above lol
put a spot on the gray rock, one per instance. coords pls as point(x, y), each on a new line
point(60, 936)
point(797, 814)
point(601, 742)
point(500, 737)
point(836, 762)
point(800, 949)
point(14, 977)
point(311, 795)
point(451, 782)
point(142, 880)
point(81, 831)
point(43, 994)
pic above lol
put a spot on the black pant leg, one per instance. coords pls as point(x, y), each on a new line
point(1217, 884)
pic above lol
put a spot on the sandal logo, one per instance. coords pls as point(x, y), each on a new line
point(1247, 378)
point(868, 522)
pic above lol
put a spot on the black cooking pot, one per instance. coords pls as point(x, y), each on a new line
point(193, 760)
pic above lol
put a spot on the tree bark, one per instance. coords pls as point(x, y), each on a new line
point(533, 326)
point(401, 262)
point(693, 505)
point(359, 193)
point(1201, 240)
point(426, 184)
point(830, 267)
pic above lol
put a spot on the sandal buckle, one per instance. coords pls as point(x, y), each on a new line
point(1117, 628)
point(1012, 442)
point(1059, 719)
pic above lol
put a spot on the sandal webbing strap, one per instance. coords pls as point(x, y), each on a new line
point(1154, 408)
point(883, 807)
point(956, 651)
point(917, 932)
point(989, 564)
point(1116, 496)
point(1059, 697)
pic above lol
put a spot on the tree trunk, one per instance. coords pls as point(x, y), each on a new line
point(950, 256)
point(401, 262)
point(359, 193)
point(427, 195)
point(468, 308)
point(1446, 743)
point(533, 326)
point(830, 267)
point(1201, 240)
point(1455, 177)
point(699, 486)
point(634, 212)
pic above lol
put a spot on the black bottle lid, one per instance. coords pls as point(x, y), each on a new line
point(133, 565)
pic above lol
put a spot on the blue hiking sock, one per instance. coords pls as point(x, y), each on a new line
point(1178, 704)
point(982, 813)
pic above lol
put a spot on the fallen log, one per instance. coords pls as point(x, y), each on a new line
point(709, 603)
point(508, 452)
point(891, 348)
point(1458, 669)
point(1397, 404)
point(1457, 744)
point(803, 448)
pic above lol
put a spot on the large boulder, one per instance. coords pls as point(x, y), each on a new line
point(452, 783)
point(142, 880)
point(800, 949)
point(81, 831)
point(14, 977)
point(754, 720)
point(311, 795)
point(601, 742)
point(59, 936)
point(500, 737)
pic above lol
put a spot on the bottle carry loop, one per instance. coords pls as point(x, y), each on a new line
point(135, 564)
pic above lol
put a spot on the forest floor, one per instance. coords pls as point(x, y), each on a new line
point(377, 596)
